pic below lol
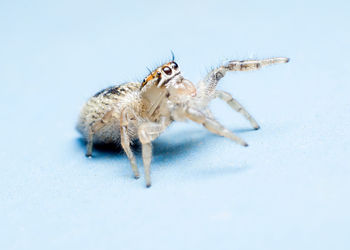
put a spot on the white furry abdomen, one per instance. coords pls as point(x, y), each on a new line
point(114, 99)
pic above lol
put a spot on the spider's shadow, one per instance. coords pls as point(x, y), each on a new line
point(161, 146)
point(168, 149)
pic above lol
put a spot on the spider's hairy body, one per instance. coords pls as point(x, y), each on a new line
point(142, 111)
point(117, 97)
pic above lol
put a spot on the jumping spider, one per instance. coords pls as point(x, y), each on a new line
point(144, 110)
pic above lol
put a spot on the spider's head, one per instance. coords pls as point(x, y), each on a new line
point(168, 76)
point(162, 75)
point(165, 86)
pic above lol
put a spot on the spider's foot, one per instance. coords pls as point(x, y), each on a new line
point(254, 124)
point(242, 143)
point(256, 127)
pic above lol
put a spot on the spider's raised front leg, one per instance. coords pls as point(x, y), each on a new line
point(147, 133)
point(208, 85)
point(93, 128)
point(125, 142)
point(212, 125)
point(227, 97)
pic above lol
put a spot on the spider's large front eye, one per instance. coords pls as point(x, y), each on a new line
point(167, 70)
point(174, 65)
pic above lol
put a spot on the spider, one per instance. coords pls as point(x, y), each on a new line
point(134, 110)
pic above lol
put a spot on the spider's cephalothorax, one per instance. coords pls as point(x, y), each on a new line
point(162, 75)
point(133, 110)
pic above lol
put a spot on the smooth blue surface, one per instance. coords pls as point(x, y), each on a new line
point(288, 190)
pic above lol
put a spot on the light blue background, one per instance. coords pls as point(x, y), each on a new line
point(288, 190)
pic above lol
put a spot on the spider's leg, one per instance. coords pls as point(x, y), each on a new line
point(208, 85)
point(147, 133)
point(93, 128)
point(234, 104)
point(90, 140)
point(125, 142)
point(247, 65)
point(147, 158)
point(212, 125)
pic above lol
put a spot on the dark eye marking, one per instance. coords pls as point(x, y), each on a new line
point(174, 65)
point(167, 70)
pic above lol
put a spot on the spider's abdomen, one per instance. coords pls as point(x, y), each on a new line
point(113, 99)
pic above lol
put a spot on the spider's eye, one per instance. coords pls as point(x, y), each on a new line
point(174, 65)
point(167, 70)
